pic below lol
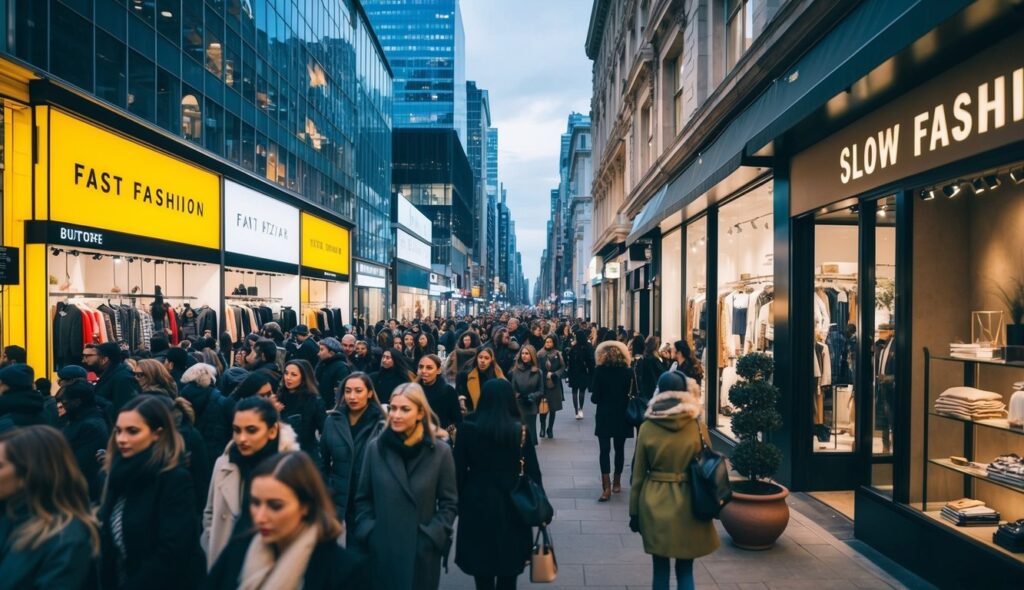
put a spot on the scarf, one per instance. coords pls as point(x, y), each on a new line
point(129, 471)
point(263, 568)
point(407, 447)
point(246, 465)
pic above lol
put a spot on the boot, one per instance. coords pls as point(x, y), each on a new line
point(606, 488)
point(617, 483)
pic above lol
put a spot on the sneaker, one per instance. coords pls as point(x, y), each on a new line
point(579, 415)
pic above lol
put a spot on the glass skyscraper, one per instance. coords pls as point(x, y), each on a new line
point(426, 46)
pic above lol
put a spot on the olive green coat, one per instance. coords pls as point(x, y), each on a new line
point(666, 445)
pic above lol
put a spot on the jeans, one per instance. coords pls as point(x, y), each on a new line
point(547, 421)
point(495, 583)
point(579, 396)
point(684, 573)
point(605, 443)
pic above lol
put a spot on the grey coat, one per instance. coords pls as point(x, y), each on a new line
point(405, 514)
point(553, 362)
point(528, 386)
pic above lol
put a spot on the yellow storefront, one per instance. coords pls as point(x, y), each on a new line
point(325, 289)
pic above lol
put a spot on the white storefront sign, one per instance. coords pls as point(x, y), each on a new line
point(411, 249)
point(257, 225)
point(414, 221)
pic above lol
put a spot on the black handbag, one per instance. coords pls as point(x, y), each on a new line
point(636, 407)
point(528, 497)
point(709, 481)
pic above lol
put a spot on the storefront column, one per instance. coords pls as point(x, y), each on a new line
point(711, 345)
point(787, 359)
point(17, 207)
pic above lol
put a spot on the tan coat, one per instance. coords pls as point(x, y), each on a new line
point(660, 495)
point(223, 503)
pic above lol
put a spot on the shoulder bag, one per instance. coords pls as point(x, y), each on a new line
point(527, 496)
point(709, 481)
point(636, 407)
point(543, 565)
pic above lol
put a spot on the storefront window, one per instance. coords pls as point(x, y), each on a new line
point(671, 286)
point(745, 288)
point(696, 287)
point(883, 363)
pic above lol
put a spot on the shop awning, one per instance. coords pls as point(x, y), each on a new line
point(872, 33)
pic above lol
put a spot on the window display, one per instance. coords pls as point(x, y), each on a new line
point(261, 296)
point(671, 286)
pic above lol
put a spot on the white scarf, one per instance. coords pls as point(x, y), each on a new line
point(286, 572)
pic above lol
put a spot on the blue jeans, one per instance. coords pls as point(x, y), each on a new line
point(684, 573)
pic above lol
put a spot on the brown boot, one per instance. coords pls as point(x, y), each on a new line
point(617, 483)
point(606, 488)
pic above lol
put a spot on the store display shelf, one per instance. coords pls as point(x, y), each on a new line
point(978, 534)
point(998, 424)
point(967, 359)
point(974, 472)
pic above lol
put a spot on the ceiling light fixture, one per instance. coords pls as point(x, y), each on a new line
point(730, 231)
point(951, 190)
point(739, 229)
point(166, 14)
point(1017, 175)
point(979, 186)
point(929, 194)
point(992, 181)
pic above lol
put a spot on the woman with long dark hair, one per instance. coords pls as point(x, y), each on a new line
point(528, 384)
point(50, 536)
point(612, 378)
point(295, 541)
point(356, 419)
point(648, 368)
point(580, 367)
point(441, 396)
point(465, 351)
point(472, 379)
point(493, 543)
point(302, 409)
point(687, 362)
point(150, 538)
point(552, 368)
point(393, 372)
point(257, 433)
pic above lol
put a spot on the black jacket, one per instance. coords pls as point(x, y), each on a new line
point(87, 431)
point(647, 371)
point(385, 381)
point(63, 562)
point(492, 538)
point(580, 365)
point(611, 394)
point(23, 407)
point(443, 401)
point(304, 412)
point(117, 385)
point(214, 413)
point(307, 350)
point(329, 373)
point(330, 567)
point(160, 532)
point(342, 448)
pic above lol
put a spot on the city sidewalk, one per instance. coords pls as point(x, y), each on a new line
point(596, 549)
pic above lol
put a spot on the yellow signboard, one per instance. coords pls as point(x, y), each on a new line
point(325, 246)
point(100, 179)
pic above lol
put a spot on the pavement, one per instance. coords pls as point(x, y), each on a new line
point(597, 551)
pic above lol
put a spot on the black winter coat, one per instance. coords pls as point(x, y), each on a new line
point(307, 350)
point(160, 533)
point(492, 540)
point(329, 373)
point(117, 385)
point(505, 356)
point(385, 381)
point(23, 407)
point(87, 432)
point(342, 448)
point(647, 370)
point(214, 414)
point(611, 394)
point(304, 412)
point(444, 402)
point(330, 567)
point(580, 365)
point(63, 562)
point(196, 460)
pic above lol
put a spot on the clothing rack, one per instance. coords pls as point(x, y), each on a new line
point(121, 296)
point(253, 298)
point(750, 281)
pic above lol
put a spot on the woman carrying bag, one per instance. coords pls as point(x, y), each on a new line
point(528, 383)
point(660, 501)
point(552, 366)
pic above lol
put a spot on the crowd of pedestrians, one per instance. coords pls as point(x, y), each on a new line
point(302, 461)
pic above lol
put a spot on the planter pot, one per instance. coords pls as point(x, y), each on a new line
point(756, 520)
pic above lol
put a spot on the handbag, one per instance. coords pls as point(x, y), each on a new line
point(543, 565)
point(709, 481)
point(528, 497)
point(543, 408)
point(636, 406)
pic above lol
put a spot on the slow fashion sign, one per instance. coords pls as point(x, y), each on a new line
point(260, 226)
point(100, 179)
point(974, 107)
point(325, 247)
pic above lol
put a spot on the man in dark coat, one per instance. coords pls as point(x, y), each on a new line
point(20, 403)
point(332, 366)
point(304, 346)
point(176, 363)
point(117, 383)
point(87, 430)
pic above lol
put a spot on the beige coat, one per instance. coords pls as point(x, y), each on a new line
point(223, 502)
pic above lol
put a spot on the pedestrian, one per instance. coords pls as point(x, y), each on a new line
point(407, 498)
point(20, 403)
point(464, 353)
point(86, 430)
point(648, 368)
point(611, 384)
point(13, 355)
point(552, 365)
point(256, 384)
point(661, 509)
point(355, 420)
point(363, 359)
point(176, 361)
point(295, 542)
point(440, 395)
point(262, 356)
point(580, 369)
point(505, 349)
point(472, 379)
point(212, 410)
point(257, 433)
point(536, 337)
point(528, 385)
point(149, 539)
point(116, 384)
point(47, 531)
point(494, 542)
point(301, 346)
point(687, 362)
point(303, 408)
point(393, 372)
point(331, 368)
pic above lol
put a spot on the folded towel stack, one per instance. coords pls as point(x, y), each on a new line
point(970, 403)
point(968, 512)
point(1008, 469)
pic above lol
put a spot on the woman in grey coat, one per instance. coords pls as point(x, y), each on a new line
point(552, 366)
point(407, 498)
point(528, 385)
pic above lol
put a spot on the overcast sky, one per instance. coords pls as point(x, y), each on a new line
point(529, 55)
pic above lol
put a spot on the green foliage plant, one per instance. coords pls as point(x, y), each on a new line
point(757, 415)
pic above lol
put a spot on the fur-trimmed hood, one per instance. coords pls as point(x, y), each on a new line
point(602, 352)
point(673, 409)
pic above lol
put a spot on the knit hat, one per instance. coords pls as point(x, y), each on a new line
point(79, 390)
point(18, 376)
point(302, 330)
point(232, 377)
point(72, 372)
point(331, 344)
point(672, 381)
point(178, 356)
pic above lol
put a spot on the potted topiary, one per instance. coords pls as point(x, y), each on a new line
point(757, 513)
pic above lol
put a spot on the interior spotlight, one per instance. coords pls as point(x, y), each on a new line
point(74, 252)
point(702, 241)
point(929, 194)
point(693, 248)
point(54, 251)
point(979, 186)
point(147, 260)
point(730, 231)
point(854, 209)
point(1017, 175)
point(992, 181)
point(951, 190)
point(97, 257)
point(739, 229)
point(881, 211)
point(767, 224)
point(753, 224)
point(117, 260)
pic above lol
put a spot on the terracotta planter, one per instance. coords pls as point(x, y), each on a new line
point(755, 521)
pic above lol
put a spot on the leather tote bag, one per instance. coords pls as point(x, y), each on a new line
point(543, 565)
point(528, 497)
point(636, 407)
point(709, 481)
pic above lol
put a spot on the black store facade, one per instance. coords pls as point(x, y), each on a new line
point(849, 222)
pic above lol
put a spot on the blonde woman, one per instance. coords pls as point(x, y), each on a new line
point(53, 538)
point(407, 500)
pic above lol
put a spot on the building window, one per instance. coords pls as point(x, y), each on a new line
point(739, 30)
point(677, 87)
point(191, 118)
point(650, 134)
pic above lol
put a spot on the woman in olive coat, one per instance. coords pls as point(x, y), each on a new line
point(612, 379)
point(660, 502)
point(552, 367)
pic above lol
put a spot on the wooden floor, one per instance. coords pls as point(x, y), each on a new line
point(841, 502)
